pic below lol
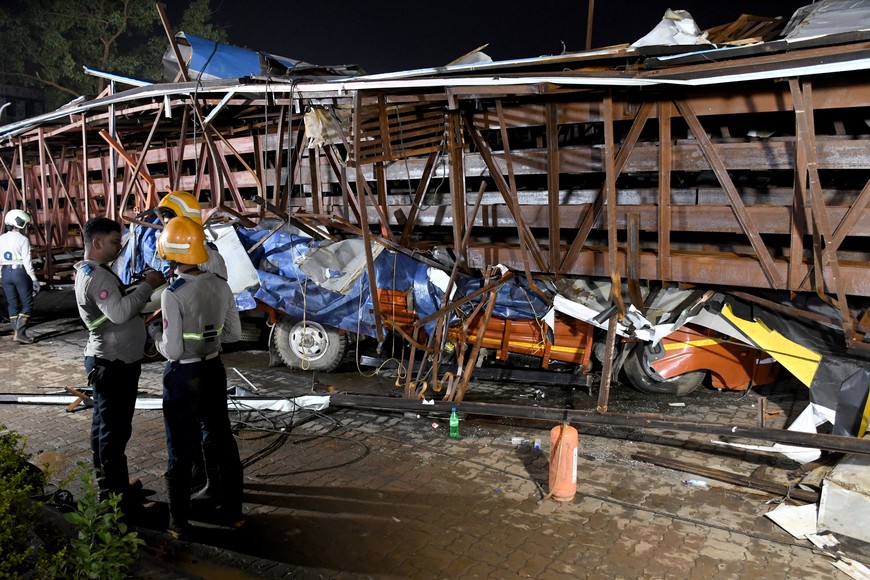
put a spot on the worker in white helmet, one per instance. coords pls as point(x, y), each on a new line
point(16, 271)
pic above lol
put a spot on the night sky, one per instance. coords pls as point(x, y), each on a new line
point(393, 35)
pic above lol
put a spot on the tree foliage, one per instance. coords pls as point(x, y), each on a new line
point(47, 42)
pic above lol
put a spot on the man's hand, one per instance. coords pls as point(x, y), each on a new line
point(154, 279)
point(36, 288)
point(155, 328)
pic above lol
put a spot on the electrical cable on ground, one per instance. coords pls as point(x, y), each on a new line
point(284, 433)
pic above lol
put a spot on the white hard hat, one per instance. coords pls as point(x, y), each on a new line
point(17, 218)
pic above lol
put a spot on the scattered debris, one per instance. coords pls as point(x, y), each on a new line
point(799, 521)
point(732, 478)
point(845, 502)
point(696, 483)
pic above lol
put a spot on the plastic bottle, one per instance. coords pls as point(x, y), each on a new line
point(454, 424)
point(563, 462)
point(695, 483)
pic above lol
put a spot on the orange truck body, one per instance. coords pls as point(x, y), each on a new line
point(732, 366)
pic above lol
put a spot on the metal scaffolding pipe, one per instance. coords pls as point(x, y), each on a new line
point(554, 415)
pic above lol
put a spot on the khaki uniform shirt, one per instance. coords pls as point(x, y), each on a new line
point(117, 332)
point(199, 313)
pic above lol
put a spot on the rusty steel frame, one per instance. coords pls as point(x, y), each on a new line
point(535, 218)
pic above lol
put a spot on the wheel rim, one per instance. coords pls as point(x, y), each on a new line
point(308, 340)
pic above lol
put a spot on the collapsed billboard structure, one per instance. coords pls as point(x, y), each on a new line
point(736, 172)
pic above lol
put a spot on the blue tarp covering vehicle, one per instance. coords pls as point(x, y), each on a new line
point(328, 290)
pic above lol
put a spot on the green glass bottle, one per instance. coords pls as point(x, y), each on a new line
point(454, 424)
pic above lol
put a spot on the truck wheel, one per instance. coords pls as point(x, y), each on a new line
point(641, 378)
point(309, 346)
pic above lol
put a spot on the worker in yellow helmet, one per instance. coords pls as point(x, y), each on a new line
point(199, 314)
point(183, 204)
point(179, 203)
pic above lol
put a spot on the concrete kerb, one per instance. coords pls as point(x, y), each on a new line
point(180, 557)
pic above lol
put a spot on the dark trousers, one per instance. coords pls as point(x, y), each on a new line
point(194, 411)
point(18, 288)
point(114, 385)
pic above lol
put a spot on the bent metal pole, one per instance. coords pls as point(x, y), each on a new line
point(655, 422)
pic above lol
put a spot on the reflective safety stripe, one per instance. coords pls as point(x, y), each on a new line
point(176, 246)
point(689, 343)
point(95, 323)
point(203, 336)
point(533, 346)
point(191, 212)
point(186, 361)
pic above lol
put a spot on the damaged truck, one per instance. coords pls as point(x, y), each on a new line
point(679, 215)
point(317, 301)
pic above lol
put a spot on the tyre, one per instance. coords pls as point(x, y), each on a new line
point(308, 345)
point(643, 380)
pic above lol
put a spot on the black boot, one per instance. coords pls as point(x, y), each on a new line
point(20, 326)
point(207, 497)
point(178, 493)
point(198, 475)
point(13, 320)
point(220, 501)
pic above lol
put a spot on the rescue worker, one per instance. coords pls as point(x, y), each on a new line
point(199, 313)
point(16, 272)
point(182, 203)
point(113, 354)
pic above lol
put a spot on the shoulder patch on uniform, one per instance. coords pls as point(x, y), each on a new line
point(103, 294)
point(176, 285)
point(87, 269)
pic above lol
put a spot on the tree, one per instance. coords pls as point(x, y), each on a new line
point(47, 42)
point(198, 20)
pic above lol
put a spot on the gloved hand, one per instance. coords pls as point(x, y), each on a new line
point(155, 328)
point(36, 288)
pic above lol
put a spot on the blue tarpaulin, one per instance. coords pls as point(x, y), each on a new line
point(285, 287)
point(221, 60)
point(208, 60)
point(139, 253)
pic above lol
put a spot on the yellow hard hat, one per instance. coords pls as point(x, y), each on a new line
point(182, 241)
point(180, 203)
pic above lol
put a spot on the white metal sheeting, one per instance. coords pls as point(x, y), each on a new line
point(346, 87)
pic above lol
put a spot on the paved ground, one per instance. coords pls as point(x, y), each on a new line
point(349, 493)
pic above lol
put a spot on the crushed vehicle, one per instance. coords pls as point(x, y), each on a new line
point(317, 299)
point(725, 187)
